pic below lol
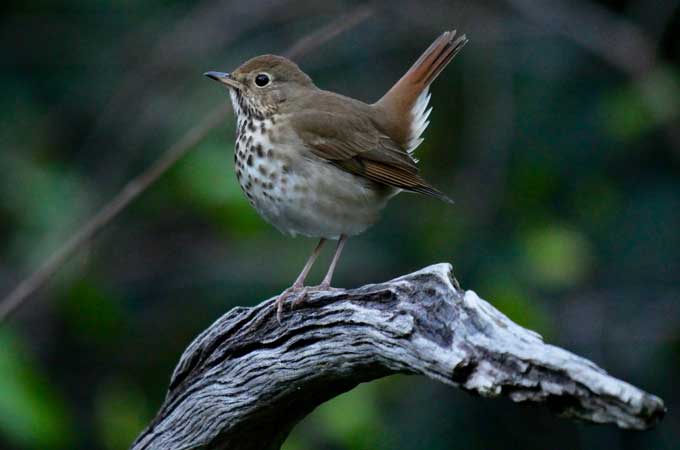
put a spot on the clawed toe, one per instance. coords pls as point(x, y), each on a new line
point(299, 290)
point(304, 295)
point(301, 298)
point(301, 293)
point(326, 288)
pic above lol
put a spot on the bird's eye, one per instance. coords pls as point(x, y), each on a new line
point(262, 80)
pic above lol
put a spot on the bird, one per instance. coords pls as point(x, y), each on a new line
point(323, 165)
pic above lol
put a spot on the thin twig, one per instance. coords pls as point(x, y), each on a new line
point(328, 32)
point(142, 182)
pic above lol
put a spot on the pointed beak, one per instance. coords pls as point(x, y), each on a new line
point(224, 78)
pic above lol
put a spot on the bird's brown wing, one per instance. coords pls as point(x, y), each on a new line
point(353, 143)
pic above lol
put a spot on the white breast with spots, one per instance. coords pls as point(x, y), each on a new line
point(296, 192)
point(258, 169)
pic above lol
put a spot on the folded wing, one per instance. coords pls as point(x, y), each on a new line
point(356, 145)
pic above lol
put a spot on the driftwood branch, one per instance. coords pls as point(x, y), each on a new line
point(246, 380)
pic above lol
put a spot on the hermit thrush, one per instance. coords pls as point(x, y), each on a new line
point(320, 164)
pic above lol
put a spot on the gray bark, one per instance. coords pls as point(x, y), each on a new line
point(247, 380)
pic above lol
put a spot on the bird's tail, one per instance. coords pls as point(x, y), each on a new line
point(405, 104)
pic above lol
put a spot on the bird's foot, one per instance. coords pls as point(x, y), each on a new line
point(300, 293)
point(294, 290)
point(323, 287)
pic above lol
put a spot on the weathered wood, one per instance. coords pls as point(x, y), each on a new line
point(246, 380)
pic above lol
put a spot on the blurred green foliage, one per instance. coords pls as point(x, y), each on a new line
point(200, 180)
point(633, 110)
point(33, 413)
point(564, 168)
point(555, 257)
point(121, 411)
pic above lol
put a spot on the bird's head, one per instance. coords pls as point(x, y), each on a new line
point(260, 85)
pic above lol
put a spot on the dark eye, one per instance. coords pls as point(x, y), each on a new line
point(262, 80)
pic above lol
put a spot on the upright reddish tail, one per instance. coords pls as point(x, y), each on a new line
point(405, 104)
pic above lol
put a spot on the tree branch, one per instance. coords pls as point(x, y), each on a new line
point(246, 380)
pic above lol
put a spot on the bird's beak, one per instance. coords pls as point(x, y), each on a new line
point(224, 78)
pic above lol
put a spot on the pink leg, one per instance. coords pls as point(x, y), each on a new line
point(300, 280)
point(326, 283)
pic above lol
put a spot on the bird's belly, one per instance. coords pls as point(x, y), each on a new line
point(308, 197)
point(328, 203)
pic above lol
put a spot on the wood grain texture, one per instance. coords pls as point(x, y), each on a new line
point(246, 380)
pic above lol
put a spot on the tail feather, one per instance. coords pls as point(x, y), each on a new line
point(405, 104)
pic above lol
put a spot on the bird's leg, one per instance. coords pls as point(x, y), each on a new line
point(326, 283)
point(299, 281)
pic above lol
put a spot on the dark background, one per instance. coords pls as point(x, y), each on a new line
point(555, 130)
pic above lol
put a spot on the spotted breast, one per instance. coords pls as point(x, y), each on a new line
point(293, 189)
